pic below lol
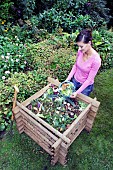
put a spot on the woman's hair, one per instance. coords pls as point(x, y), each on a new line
point(85, 36)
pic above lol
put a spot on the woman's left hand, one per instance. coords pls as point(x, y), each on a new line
point(73, 95)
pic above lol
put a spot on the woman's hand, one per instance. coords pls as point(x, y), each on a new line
point(73, 95)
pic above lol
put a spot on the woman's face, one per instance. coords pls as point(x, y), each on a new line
point(84, 47)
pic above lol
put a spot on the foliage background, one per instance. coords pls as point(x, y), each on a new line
point(37, 38)
point(48, 32)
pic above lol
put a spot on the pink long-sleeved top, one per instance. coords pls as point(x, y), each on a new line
point(85, 71)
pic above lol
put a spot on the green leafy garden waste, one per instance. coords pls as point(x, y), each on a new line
point(57, 109)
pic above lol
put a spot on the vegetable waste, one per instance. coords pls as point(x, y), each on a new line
point(57, 110)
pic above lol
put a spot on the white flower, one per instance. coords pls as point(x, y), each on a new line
point(25, 62)
point(7, 72)
point(12, 60)
point(16, 44)
point(3, 77)
point(17, 60)
point(16, 37)
point(2, 56)
point(8, 53)
point(7, 57)
point(15, 72)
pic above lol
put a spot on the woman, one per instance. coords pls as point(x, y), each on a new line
point(86, 66)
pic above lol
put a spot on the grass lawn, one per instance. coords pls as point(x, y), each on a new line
point(92, 151)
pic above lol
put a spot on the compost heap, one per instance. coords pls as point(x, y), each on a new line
point(56, 107)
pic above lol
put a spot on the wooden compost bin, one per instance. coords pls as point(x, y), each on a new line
point(50, 139)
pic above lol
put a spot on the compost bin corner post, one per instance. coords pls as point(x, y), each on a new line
point(92, 114)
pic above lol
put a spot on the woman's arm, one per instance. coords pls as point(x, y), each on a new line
point(72, 72)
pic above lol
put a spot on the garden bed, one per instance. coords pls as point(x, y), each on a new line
point(55, 125)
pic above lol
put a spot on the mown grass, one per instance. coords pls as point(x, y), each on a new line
point(90, 151)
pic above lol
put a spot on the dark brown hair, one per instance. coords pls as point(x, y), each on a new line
point(85, 36)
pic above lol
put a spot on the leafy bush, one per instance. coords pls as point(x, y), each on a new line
point(53, 19)
point(13, 56)
point(28, 85)
point(3, 27)
point(4, 9)
point(29, 32)
point(66, 6)
point(27, 7)
point(110, 6)
point(96, 9)
point(47, 61)
point(106, 48)
point(4, 16)
point(49, 56)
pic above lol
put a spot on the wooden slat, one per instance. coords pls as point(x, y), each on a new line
point(56, 132)
point(38, 141)
point(19, 119)
point(38, 137)
point(17, 115)
point(62, 160)
point(88, 128)
point(54, 161)
point(81, 122)
point(84, 112)
point(39, 125)
point(36, 131)
point(56, 145)
point(88, 100)
point(33, 97)
point(90, 120)
point(90, 117)
point(21, 128)
point(91, 113)
point(77, 133)
point(19, 123)
point(53, 81)
point(76, 130)
point(21, 131)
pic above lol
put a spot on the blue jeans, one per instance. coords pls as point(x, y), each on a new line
point(86, 91)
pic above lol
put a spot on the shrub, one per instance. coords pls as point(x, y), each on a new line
point(28, 84)
point(27, 7)
point(13, 56)
point(48, 60)
point(106, 49)
point(53, 19)
point(29, 32)
point(4, 9)
point(97, 9)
